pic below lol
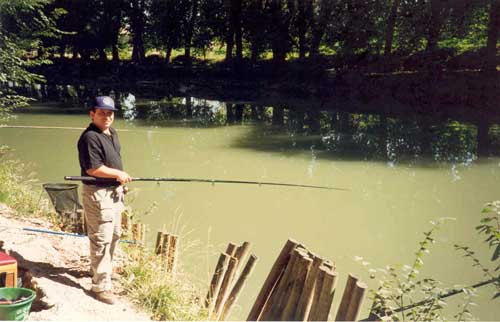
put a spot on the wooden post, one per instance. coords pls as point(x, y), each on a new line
point(306, 298)
point(135, 233)
point(233, 296)
point(231, 249)
point(241, 253)
point(172, 254)
point(276, 302)
point(313, 313)
point(298, 281)
point(346, 298)
point(126, 224)
point(143, 234)
point(271, 280)
point(159, 243)
point(324, 304)
point(356, 301)
point(225, 288)
point(215, 284)
point(165, 247)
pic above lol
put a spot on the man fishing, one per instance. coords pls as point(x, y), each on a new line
point(99, 156)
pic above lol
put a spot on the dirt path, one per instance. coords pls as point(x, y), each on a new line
point(59, 266)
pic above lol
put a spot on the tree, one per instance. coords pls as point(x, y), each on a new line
point(17, 37)
point(493, 32)
point(136, 14)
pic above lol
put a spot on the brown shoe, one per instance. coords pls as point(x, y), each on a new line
point(105, 297)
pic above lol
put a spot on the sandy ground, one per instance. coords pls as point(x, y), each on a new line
point(59, 266)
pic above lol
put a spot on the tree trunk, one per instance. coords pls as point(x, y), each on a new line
point(228, 7)
point(493, 32)
point(189, 33)
point(483, 141)
point(434, 25)
point(168, 54)
point(279, 33)
point(137, 21)
point(391, 24)
point(303, 9)
point(238, 32)
point(62, 50)
point(319, 22)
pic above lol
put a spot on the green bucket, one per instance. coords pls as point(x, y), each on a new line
point(17, 311)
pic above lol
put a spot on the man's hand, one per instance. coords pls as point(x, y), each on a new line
point(123, 177)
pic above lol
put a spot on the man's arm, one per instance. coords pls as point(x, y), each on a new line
point(107, 172)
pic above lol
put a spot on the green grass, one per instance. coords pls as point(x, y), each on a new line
point(166, 296)
point(18, 190)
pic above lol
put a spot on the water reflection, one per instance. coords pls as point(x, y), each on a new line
point(333, 132)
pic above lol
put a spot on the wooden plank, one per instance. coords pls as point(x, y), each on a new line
point(271, 280)
point(233, 296)
point(346, 298)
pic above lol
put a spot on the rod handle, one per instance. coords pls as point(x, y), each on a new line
point(81, 178)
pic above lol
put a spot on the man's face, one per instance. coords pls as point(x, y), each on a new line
point(102, 118)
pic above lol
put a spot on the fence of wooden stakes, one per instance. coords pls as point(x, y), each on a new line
point(301, 286)
point(228, 280)
point(166, 246)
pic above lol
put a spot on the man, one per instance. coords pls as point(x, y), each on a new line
point(99, 155)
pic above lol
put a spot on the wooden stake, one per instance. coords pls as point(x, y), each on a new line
point(143, 234)
point(217, 278)
point(172, 254)
point(346, 298)
point(231, 249)
point(225, 288)
point(274, 306)
point(271, 280)
point(165, 247)
point(240, 254)
point(159, 243)
point(298, 280)
point(326, 295)
point(356, 301)
point(306, 298)
point(233, 296)
point(318, 286)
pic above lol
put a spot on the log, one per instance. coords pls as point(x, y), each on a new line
point(217, 278)
point(235, 292)
point(276, 302)
point(225, 288)
point(159, 243)
point(346, 298)
point(306, 298)
point(356, 301)
point(326, 296)
point(298, 280)
point(271, 280)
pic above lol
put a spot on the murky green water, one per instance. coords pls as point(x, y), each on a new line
point(382, 218)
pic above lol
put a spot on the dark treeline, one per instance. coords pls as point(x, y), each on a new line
point(387, 35)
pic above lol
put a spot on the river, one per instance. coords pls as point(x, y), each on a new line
point(397, 183)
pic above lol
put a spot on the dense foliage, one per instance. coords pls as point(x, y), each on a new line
point(428, 30)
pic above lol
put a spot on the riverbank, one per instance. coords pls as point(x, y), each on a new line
point(57, 267)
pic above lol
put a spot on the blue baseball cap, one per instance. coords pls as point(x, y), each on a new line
point(104, 103)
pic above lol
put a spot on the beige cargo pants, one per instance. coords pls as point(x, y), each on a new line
point(103, 207)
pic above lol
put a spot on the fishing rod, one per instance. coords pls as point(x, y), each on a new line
point(212, 181)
